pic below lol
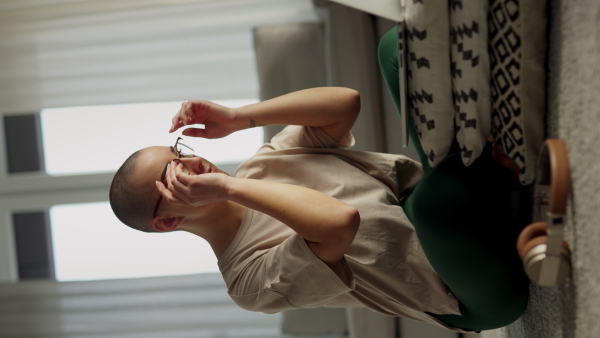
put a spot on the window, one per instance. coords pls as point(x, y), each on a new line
point(90, 243)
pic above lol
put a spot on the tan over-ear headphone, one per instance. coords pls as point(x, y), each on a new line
point(546, 256)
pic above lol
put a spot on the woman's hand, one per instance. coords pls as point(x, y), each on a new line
point(218, 121)
point(332, 109)
point(191, 190)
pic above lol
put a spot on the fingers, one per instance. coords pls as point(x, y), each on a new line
point(173, 182)
point(189, 190)
point(177, 183)
point(187, 112)
point(168, 195)
point(177, 121)
point(195, 132)
point(184, 117)
point(182, 178)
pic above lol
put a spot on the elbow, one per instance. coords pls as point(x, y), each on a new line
point(337, 240)
point(354, 101)
point(350, 223)
point(354, 219)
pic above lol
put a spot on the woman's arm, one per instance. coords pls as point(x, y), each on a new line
point(333, 109)
point(327, 224)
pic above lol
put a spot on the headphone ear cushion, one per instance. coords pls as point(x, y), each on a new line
point(532, 244)
point(528, 234)
point(533, 235)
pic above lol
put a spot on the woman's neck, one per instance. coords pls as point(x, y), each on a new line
point(220, 225)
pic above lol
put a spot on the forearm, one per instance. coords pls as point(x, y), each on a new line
point(334, 109)
point(327, 224)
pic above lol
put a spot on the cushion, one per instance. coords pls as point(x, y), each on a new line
point(429, 81)
point(517, 45)
point(470, 69)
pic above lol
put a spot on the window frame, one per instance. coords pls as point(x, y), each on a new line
point(37, 191)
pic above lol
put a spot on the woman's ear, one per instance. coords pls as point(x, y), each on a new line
point(166, 223)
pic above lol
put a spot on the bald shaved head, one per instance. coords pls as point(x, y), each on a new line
point(131, 206)
point(133, 194)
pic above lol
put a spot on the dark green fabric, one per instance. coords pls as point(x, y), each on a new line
point(388, 62)
point(462, 216)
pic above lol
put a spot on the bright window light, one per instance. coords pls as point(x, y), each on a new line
point(99, 138)
point(90, 243)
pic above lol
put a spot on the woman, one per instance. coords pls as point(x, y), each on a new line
point(462, 218)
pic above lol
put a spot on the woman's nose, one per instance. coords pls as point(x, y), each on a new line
point(193, 164)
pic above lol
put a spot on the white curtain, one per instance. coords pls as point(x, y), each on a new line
point(195, 306)
point(60, 53)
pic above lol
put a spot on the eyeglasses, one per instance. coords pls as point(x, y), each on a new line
point(181, 151)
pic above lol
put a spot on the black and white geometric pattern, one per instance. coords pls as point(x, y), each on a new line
point(428, 72)
point(505, 61)
point(489, 83)
point(470, 76)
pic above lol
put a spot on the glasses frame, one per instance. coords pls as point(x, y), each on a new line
point(179, 153)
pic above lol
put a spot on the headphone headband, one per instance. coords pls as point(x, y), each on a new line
point(553, 170)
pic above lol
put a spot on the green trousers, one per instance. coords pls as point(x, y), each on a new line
point(462, 216)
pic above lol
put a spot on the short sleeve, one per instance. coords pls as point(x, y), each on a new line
point(290, 276)
point(308, 137)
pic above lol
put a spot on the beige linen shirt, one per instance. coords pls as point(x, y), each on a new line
point(269, 268)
